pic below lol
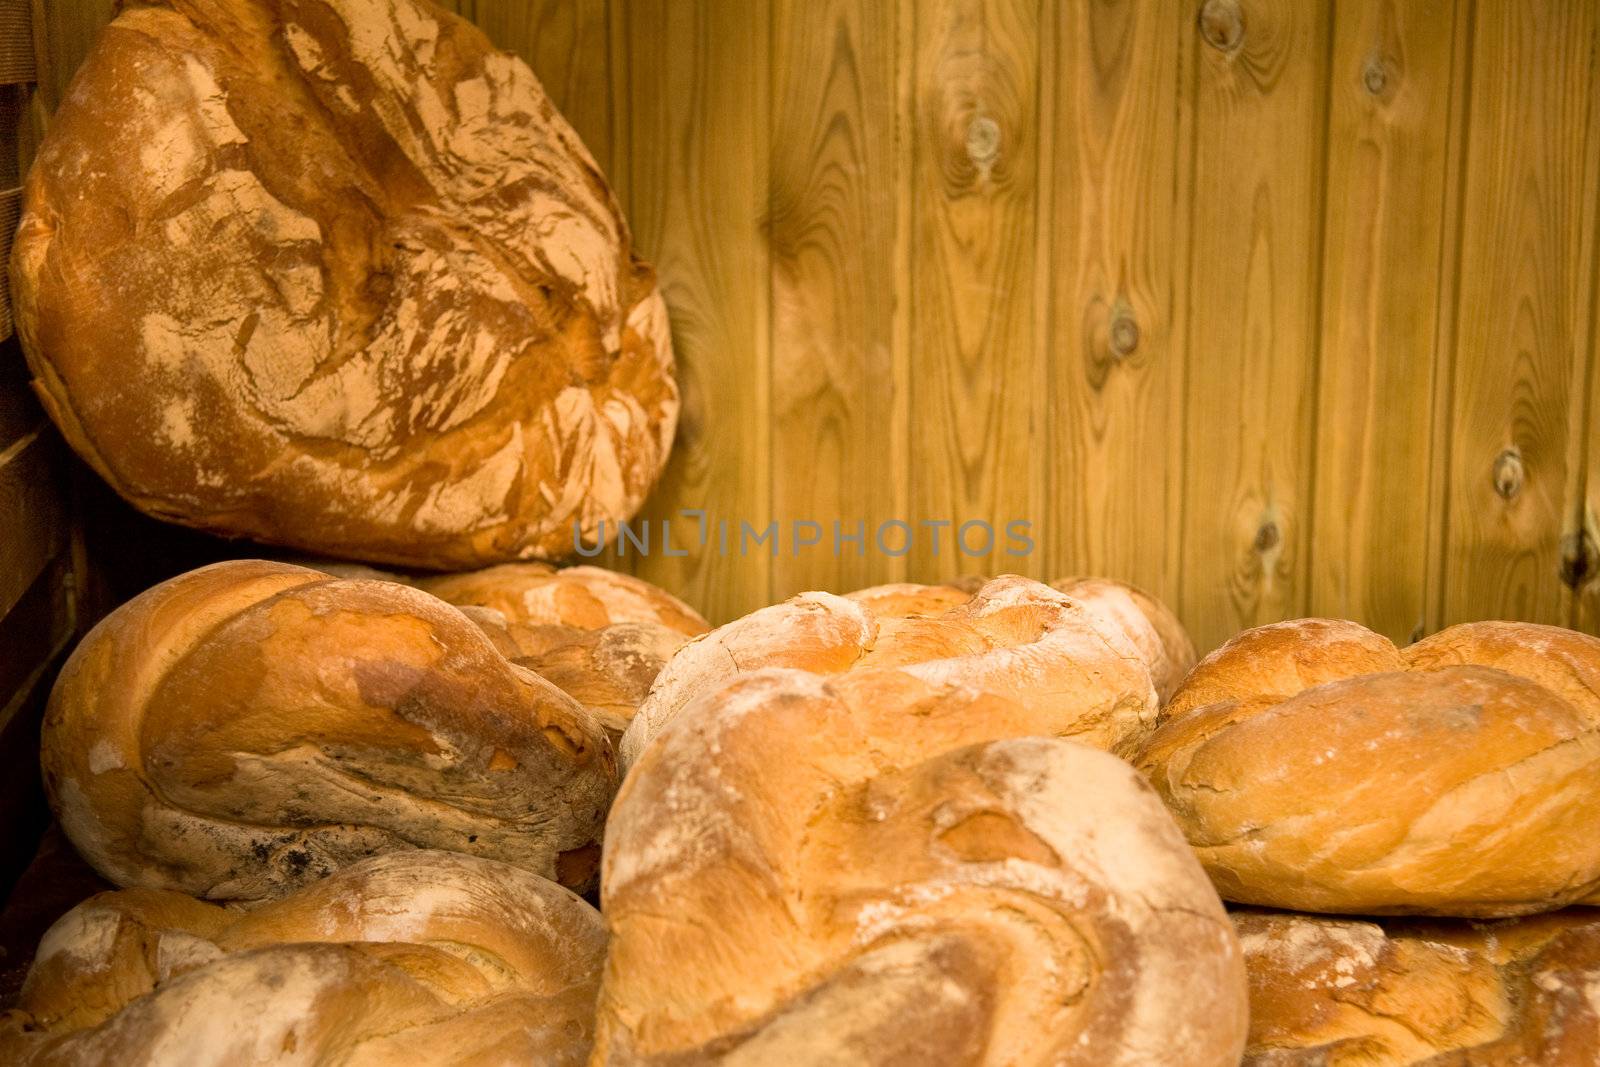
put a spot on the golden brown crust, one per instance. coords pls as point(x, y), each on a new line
point(335, 274)
point(1327, 991)
point(248, 727)
point(1311, 769)
point(415, 957)
point(1150, 624)
point(862, 868)
point(1013, 637)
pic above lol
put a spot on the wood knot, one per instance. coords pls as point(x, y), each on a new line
point(1508, 474)
point(1222, 24)
point(1267, 537)
point(1124, 333)
point(983, 141)
point(1375, 74)
point(1579, 555)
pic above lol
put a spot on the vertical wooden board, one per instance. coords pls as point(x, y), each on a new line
point(837, 414)
point(1115, 235)
point(1259, 110)
point(693, 84)
point(1394, 85)
point(1524, 317)
point(976, 408)
point(567, 45)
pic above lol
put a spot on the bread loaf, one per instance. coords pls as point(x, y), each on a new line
point(601, 636)
point(246, 728)
point(1013, 637)
point(1314, 766)
point(1328, 991)
point(335, 274)
point(872, 868)
point(415, 958)
point(1150, 624)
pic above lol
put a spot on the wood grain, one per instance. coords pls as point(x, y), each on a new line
point(693, 84)
point(838, 419)
point(1395, 83)
point(1114, 252)
point(976, 386)
point(1524, 320)
point(1259, 108)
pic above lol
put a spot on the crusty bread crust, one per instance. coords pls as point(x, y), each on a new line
point(335, 274)
point(875, 867)
point(1326, 990)
point(412, 958)
point(248, 727)
point(1013, 636)
point(1314, 766)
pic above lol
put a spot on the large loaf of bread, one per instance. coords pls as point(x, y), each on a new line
point(417, 959)
point(1315, 766)
point(335, 274)
point(244, 729)
point(875, 867)
point(1012, 636)
point(1512, 993)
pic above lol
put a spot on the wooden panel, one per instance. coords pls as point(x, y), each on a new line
point(35, 630)
point(838, 420)
point(31, 513)
point(1259, 122)
point(567, 45)
point(1527, 262)
point(692, 83)
point(976, 386)
point(1114, 247)
point(1395, 87)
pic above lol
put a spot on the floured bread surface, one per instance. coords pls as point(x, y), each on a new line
point(1386, 993)
point(419, 957)
point(1150, 624)
point(335, 274)
point(1314, 766)
point(1011, 636)
point(877, 868)
point(249, 727)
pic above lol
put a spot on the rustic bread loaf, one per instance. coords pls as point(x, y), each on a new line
point(859, 869)
point(601, 636)
point(1013, 637)
point(414, 958)
point(248, 727)
point(335, 274)
point(1314, 766)
point(1327, 991)
point(1150, 624)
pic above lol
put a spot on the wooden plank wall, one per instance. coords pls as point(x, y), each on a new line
point(1273, 307)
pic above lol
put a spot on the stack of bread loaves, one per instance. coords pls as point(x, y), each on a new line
point(1314, 766)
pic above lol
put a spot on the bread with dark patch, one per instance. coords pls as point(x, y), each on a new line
point(246, 728)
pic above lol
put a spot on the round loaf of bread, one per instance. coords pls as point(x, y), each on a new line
point(412, 958)
point(335, 274)
point(863, 869)
point(1314, 766)
point(600, 636)
point(1149, 623)
point(1013, 637)
point(248, 727)
point(1329, 991)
